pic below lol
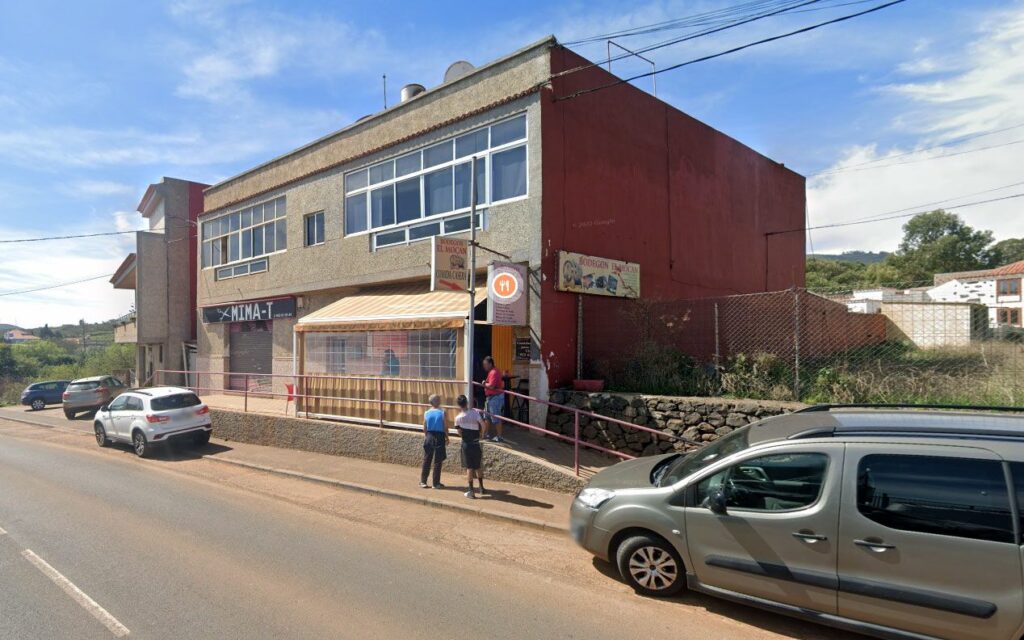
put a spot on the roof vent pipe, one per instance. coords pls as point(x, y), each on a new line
point(410, 91)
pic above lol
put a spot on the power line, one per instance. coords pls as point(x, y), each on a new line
point(955, 142)
point(55, 286)
point(692, 36)
point(83, 235)
point(896, 164)
point(904, 215)
point(940, 202)
point(850, 16)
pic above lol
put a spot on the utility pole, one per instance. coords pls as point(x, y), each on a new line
point(471, 318)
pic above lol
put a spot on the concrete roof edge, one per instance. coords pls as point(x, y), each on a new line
point(371, 119)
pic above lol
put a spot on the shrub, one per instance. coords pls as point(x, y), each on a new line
point(759, 375)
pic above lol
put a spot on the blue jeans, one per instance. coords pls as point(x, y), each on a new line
point(493, 406)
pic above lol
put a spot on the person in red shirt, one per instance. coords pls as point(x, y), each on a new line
point(494, 398)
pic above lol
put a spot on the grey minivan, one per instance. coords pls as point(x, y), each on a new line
point(89, 394)
point(895, 523)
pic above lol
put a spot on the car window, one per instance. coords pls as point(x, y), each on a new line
point(948, 496)
point(49, 386)
point(134, 404)
point(117, 382)
point(777, 482)
point(118, 403)
point(691, 463)
point(83, 386)
point(175, 401)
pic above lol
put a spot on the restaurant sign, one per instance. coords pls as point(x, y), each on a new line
point(250, 311)
point(600, 276)
point(449, 269)
point(506, 294)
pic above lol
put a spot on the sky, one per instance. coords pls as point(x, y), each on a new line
point(906, 109)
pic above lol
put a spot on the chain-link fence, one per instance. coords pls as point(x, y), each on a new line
point(879, 346)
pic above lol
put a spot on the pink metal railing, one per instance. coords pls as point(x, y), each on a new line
point(299, 393)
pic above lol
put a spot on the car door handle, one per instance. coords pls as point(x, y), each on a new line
point(876, 546)
point(808, 537)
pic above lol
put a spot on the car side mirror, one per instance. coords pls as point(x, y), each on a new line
point(105, 407)
point(717, 502)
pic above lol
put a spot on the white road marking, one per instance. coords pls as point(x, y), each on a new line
point(87, 603)
point(2, 532)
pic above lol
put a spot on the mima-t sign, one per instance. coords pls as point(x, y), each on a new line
point(250, 311)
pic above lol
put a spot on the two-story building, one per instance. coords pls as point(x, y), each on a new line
point(998, 289)
point(162, 271)
point(318, 261)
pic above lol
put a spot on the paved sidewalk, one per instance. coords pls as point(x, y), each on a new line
point(504, 501)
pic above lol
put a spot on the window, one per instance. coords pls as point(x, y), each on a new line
point(778, 482)
point(242, 235)
point(314, 228)
point(435, 181)
point(458, 223)
point(174, 401)
point(1008, 316)
point(118, 403)
point(428, 354)
point(1009, 287)
point(959, 497)
point(256, 266)
point(133, 404)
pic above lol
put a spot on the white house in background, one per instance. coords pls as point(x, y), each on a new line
point(870, 300)
point(998, 289)
point(19, 336)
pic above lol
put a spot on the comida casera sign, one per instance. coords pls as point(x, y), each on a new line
point(250, 311)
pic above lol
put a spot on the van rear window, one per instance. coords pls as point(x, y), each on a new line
point(83, 386)
point(176, 401)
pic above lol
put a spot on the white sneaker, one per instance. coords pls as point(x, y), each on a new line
point(470, 494)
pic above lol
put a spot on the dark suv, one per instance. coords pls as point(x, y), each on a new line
point(40, 394)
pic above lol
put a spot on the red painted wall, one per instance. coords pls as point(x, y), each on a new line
point(629, 177)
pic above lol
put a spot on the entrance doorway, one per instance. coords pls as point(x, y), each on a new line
point(251, 351)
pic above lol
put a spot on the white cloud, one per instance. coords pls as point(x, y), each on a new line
point(32, 265)
point(98, 188)
point(242, 46)
point(977, 89)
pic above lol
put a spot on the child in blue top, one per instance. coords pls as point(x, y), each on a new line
point(435, 439)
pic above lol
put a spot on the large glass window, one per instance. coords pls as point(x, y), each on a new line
point(242, 235)
point(778, 482)
point(435, 181)
point(960, 497)
point(428, 353)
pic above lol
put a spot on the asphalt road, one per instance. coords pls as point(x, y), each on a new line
point(99, 544)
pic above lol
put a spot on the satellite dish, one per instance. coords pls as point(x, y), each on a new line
point(457, 69)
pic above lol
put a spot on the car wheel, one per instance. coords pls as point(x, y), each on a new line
point(69, 414)
point(101, 435)
point(38, 404)
point(650, 565)
point(201, 438)
point(140, 445)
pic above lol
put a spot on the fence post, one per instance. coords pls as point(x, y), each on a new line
point(576, 443)
point(380, 401)
point(246, 406)
point(718, 345)
point(796, 344)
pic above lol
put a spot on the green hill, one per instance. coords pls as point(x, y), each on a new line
point(864, 257)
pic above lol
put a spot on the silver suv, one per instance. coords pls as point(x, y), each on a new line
point(895, 523)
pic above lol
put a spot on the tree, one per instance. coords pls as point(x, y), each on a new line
point(1009, 250)
point(939, 242)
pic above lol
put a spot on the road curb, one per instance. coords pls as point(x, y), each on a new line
point(398, 495)
point(43, 425)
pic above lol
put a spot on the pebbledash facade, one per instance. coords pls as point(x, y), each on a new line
point(318, 262)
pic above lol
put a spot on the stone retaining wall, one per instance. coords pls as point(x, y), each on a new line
point(395, 446)
point(697, 419)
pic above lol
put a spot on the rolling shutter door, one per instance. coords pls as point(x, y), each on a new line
point(251, 352)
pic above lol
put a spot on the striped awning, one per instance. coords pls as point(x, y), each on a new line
point(391, 308)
